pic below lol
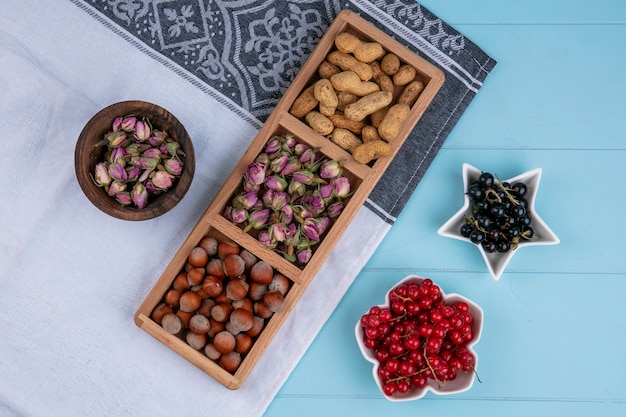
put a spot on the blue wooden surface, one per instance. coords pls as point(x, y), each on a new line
point(554, 329)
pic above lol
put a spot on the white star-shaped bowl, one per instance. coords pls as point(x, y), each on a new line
point(497, 262)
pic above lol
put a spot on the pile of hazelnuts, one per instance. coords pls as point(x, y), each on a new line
point(221, 300)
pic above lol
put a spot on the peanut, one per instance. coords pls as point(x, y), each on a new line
point(378, 116)
point(325, 94)
point(367, 152)
point(368, 52)
point(390, 64)
point(391, 123)
point(369, 134)
point(380, 78)
point(318, 122)
point(368, 105)
point(326, 69)
point(410, 93)
point(304, 103)
point(344, 98)
point(341, 122)
point(345, 139)
point(349, 81)
point(405, 75)
point(347, 42)
point(349, 63)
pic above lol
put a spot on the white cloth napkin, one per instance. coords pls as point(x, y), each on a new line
point(71, 277)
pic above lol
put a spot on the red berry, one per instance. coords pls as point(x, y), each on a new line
point(390, 388)
point(371, 332)
point(412, 308)
point(403, 386)
point(396, 348)
point(381, 355)
point(407, 368)
point(419, 380)
point(398, 307)
point(369, 343)
point(385, 315)
point(433, 344)
point(413, 291)
point(426, 329)
point(425, 303)
point(412, 342)
point(462, 307)
point(436, 316)
point(392, 365)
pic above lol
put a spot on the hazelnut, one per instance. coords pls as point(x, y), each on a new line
point(248, 258)
point(226, 248)
point(262, 273)
point(172, 297)
point(243, 343)
point(209, 244)
point(196, 340)
point(241, 320)
point(279, 283)
point(212, 286)
point(185, 317)
point(195, 276)
point(256, 291)
point(199, 324)
point(244, 303)
point(216, 327)
point(160, 311)
point(257, 327)
point(231, 361)
point(224, 342)
point(261, 310)
point(180, 282)
point(221, 312)
point(190, 301)
point(172, 323)
point(274, 300)
point(215, 268)
point(237, 289)
point(198, 257)
point(206, 306)
point(234, 265)
point(211, 352)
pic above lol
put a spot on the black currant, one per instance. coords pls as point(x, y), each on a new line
point(477, 236)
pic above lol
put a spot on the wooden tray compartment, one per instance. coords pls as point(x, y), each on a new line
point(363, 178)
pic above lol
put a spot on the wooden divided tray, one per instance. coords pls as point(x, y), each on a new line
point(362, 176)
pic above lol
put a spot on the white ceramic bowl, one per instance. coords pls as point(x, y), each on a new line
point(496, 261)
point(463, 381)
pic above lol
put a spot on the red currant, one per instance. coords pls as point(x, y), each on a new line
point(396, 348)
point(407, 368)
point(419, 380)
point(390, 388)
point(392, 365)
point(412, 342)
point(403, 386)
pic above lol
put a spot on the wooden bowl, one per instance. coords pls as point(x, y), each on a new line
point(87, 155)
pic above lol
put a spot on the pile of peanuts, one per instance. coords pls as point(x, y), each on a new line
point(353, 100)
point(221, 300)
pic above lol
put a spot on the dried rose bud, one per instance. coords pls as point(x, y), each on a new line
point(235, 215)
point(258, 219)
point(326, 191)
point(292, 166)
point(246, 200)
point(117, 123)
point(275, 200)
point(174, 166)
point(157, 138)
point(314, 203)
point(292, 236)
point(255, 173)
point(128, 123)
point(278, 164)
point(275, 183)
point(142, 130)
point(296, 188)
point(330, 169)
point(335, 209)
point(139, 195)
point(133, 173)
point(305, 255)
point(278, 232)
point(115, 139)
point(266, 240)
point(116, 187)
point(303, 176)
point(117, 155)
point(123, 198)
point(341, 186)
point(311, 229)
point(286, 214)
point(300, 148)
point(290, 141)
point(101, 175)
point(117, 172)
point(272, 146)
point(162, 180)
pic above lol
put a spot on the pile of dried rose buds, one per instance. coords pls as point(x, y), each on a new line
point(140, 161)
point(290, 194)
